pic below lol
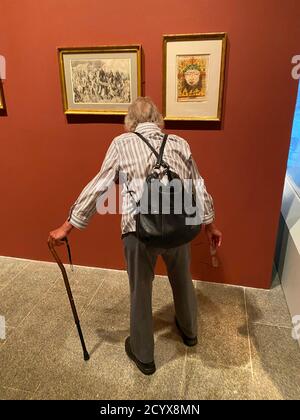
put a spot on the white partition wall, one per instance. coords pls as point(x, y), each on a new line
point(288, 251)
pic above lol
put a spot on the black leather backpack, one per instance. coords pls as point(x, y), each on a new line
point(167, 215)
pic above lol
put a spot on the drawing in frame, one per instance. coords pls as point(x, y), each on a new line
point(2, 101)
point(100, 80)
point(193, 76)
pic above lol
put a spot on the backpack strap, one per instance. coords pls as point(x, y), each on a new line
point(148, 144)
point(160, 161)
point(159, 155)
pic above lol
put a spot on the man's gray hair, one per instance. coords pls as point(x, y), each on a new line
point(142, 110)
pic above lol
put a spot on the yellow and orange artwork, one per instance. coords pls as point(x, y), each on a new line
point(192, 73)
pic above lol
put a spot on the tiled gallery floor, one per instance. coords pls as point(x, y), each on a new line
point(245, 350)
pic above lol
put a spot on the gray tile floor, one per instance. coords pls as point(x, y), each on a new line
point(245, 349)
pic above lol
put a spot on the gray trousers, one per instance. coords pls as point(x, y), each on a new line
point(141, 260)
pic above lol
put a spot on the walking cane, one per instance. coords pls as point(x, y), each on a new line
point(67, 284)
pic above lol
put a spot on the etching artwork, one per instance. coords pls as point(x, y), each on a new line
point(101, 81)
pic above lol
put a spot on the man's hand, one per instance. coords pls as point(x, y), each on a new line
point(56, 236)
point(214, 235)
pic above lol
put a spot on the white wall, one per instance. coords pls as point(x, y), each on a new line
point(288, 250)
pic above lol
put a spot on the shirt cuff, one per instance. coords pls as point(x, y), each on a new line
point(77, 222)
point(207, 219)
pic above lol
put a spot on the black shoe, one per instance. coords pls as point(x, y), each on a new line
point(188, 341)
point(146, 368)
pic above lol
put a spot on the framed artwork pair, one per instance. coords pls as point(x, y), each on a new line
point(106, 80)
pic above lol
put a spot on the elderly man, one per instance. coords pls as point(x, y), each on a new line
point(131, 156)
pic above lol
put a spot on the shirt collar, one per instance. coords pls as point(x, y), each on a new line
point(147, 127)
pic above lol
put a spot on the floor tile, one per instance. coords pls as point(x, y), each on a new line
point(42, 358)
point(84, 281)
point(161, 292)
point(220, 383)
point(14, 394)
point(9, 269)
point(268, 306)
point(106, 318)
point(276, 362)
point(42, 334)
point(109, 374)
point(27, 289)
point(222, 327)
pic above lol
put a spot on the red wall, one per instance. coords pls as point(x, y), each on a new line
point(46, 160)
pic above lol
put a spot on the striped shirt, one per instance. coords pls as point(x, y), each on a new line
point(129, 155)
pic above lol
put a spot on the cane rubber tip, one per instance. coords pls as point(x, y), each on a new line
point(86, 357)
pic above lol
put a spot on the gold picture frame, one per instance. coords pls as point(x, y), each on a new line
point(100, 80)
point(193, 76)
point(2, 101)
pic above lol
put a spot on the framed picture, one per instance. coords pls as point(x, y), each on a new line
point(2, 102)
point(193, 76)
point(100, 80)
